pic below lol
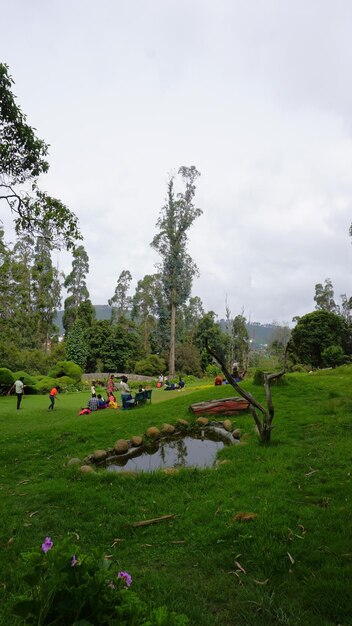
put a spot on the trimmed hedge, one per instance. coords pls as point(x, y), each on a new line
point(66, 368)
point(45, 384)
point(6, 377)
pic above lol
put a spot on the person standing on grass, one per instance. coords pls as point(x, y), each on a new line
point(18, 386)
point(52, 395)
point(110, 386)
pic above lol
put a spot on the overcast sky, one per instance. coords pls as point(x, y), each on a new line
point(257, 94)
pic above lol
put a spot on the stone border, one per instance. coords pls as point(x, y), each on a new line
point(126, 449)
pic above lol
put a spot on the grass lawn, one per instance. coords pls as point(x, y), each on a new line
point(291, 565)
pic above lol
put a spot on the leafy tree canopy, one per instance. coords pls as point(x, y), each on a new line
point(314, 333)
point(23, 158)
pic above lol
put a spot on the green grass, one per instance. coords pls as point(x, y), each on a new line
point(299, 487)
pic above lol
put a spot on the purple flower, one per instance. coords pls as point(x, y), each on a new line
point(74, 561)
point(126, 577)
point(47, 545)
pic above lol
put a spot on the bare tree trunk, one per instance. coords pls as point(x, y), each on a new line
point(263, 424)
point(172, 340)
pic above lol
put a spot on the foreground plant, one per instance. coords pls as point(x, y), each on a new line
point(66, 587)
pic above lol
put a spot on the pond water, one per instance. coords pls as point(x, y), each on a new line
point(181, 452)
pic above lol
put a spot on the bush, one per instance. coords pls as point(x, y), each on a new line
point(6, 379)
point(28, 379)
point(63, 587)
point(333, 356)
point(258, 378)
point(213, 370)
point(152, 365)
point(66, 368)
point(45, 384)
point(30, 382)
point(299, 368)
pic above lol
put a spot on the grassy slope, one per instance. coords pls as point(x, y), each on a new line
point(299, 487)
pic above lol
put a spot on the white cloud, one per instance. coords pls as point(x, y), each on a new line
point(256, 95)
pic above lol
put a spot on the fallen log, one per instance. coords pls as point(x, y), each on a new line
point(224, 406)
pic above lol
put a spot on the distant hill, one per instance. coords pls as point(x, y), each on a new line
point(102, 312)
point(259, 333)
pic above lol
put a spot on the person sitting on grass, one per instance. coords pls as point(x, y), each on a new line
point(52, 395)
point(102, 404)
point(169, 386)
point(93, 403)
point(181, 384)
point(112, 404)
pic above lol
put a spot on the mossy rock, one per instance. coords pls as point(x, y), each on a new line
point(86, 469)
point(168, 429)
point(227, 424)
point(121, 446)
point(136, 441)
point(202, 421)
point(99, 455)
point(152, 432)
point(74, 461)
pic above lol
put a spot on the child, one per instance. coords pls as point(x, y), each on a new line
point(93, 388)
point(52, 396)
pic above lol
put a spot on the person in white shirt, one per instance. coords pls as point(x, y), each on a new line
point(18, 386)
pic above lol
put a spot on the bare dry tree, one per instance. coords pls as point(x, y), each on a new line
point(263, 418)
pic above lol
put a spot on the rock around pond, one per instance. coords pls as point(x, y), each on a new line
point(191, 450)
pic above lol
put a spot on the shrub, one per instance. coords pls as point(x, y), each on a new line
point(299, 368)
point(212, 370)
point(64, 586)
point(30, 382)
point(45, 384)
point(333, 356)
point(258, 378)
point(6, 379)
point(152, 365)
point(65, 381)
point(66, 368)
point(28, 379)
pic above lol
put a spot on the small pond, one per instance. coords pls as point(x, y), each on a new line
point(189, 451)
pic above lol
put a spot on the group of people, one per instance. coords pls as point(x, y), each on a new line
point(97, 401)
point(18, 386)
point(169, 386)
point(236, 375)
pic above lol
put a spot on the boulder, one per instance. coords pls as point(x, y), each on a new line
point(182, 422)
point(74, 461)
point(236, 433)
point(99, 455)
point(227, 424)
point(152, 432)
point(86, 469)
point(136, 441)
point(202, 421)
point(168, 429)
point(121, 446)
